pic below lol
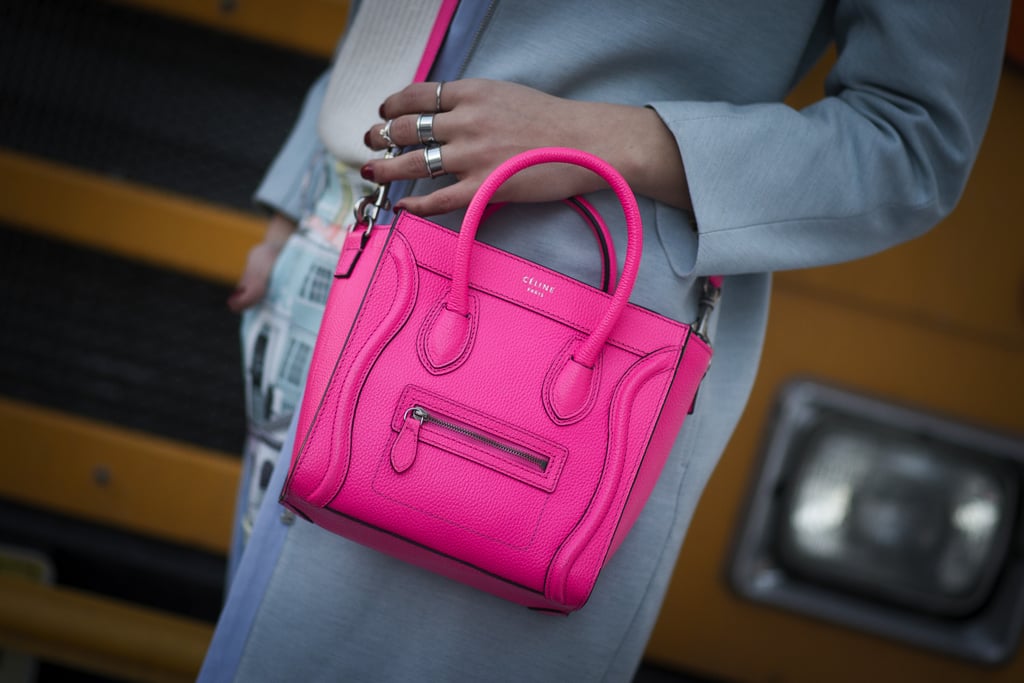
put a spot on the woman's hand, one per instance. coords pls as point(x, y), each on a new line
point(252, 286)
point(482, 123)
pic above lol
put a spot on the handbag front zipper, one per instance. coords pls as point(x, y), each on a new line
point(403, 453)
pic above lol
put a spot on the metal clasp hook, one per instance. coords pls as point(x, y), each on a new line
point(708, 299)
point(369, 207)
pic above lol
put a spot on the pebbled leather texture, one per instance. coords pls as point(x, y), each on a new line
point(450, 420)
point(570, 389)
point(446, 337)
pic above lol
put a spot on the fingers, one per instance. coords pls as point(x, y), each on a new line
point(444, 200)
point(246, 295)
point(444, 129)
point(415, 115)
point(426, 162)
point(242, 299)
point(408, 130)
point(252, 286)
point(420, 97)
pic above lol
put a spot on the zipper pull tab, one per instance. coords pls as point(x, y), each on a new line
point(403, 452)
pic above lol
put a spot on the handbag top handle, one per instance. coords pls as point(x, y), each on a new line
point(593, 218)
point(458, 301)
point(449, 334)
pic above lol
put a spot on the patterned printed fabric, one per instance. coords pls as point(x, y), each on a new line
point(278, 334)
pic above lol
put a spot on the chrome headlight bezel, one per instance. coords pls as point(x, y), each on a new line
point(981, 624)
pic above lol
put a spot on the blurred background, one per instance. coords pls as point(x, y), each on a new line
point(865, 522)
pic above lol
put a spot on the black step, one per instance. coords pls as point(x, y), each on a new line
point(118, 341)
point(146, 97)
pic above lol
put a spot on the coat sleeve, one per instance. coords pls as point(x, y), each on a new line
point(880, 159)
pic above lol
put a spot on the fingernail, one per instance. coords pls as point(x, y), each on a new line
point(366, 139)
point(367, 172)
point(380, 110)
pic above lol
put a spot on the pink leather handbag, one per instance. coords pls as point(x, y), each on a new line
point(484, 417)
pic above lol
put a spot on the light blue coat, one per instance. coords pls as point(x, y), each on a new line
point(880, 159)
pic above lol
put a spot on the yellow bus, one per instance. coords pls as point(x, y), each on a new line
point(125, 221)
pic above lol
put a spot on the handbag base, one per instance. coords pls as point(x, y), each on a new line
point(423, 557)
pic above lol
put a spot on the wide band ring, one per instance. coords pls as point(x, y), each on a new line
point(425, 129)
point(432, 157)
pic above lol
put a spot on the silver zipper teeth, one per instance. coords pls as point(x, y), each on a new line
point(529, 457)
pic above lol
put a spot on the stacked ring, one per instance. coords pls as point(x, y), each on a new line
point(432, 157)
point(425, 129)
point(385, 133)
point(437, 97)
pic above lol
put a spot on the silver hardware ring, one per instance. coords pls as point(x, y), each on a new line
point(425, 129)
point(385, 133)
point(437, 97)
point(432, 157)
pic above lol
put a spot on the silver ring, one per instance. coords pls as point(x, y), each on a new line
point(437, 97)
point(425, 129)
point(432, 157)
point(385, 133)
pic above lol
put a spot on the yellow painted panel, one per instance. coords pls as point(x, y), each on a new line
point(126, 219)
point(704, 626)
point(311, 26)
point(113, 476)
point(101, 635)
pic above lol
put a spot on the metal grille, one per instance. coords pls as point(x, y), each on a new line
point(118, 341)
point(146, 98)
point(115, 563)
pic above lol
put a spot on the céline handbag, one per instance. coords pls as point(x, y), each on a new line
point(484, 417)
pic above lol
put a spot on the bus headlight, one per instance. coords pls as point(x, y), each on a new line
point(889, 519)
point(885, 515)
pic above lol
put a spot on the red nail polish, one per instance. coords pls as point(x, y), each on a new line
point(366, 139)
point(380, 111)
point(367, 172)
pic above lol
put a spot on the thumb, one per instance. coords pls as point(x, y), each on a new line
point(445, 200)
